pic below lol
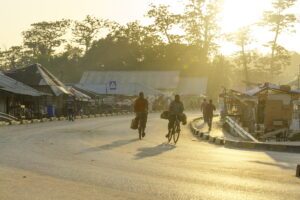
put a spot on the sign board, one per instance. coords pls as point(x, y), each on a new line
point(112, 85)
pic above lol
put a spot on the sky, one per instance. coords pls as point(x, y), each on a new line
point(17, 15)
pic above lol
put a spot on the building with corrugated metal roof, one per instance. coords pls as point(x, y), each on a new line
point(14, 93)
point(38, 77)
point(159, 80)
point(151, 82)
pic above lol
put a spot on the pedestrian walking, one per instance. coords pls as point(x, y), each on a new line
point(203, 108)
point(71, 108)
point(141, 111)
point(209, 112)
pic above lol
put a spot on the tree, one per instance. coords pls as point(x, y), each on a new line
point(211, 27)
point(15, 56)
point(123, 48)
point(73, 52)
point(164, 21)
point(2, 60)
point(242, 39)
point(43, 37)
point(280, 59)
point(193, 21)
point(200, 24)
point(278, 21)
point(85, 32)
point(220, 76)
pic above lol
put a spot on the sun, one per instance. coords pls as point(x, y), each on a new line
point(239, 13)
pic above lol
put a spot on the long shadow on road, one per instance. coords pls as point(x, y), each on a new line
point(282, 166)
point(114, 144)
point(153, 151)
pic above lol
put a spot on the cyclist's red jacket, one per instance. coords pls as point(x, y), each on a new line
point(141, 105)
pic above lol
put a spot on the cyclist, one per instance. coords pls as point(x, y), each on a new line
point(141, 111)
point(176, 108)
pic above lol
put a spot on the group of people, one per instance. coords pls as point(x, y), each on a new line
point(208, 109)
point(176, 108)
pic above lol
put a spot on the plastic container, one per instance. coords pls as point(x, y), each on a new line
point(51, 111)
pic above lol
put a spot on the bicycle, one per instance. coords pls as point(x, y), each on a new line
point(174, 131)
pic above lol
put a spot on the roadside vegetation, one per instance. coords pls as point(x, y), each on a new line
point(68, 48)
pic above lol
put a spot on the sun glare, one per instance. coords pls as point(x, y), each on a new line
point(234, 15)
point(238, 13)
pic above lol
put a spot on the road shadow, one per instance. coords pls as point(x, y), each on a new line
point(153, 151)
point(110, 146)
point(284, 160)
point(282, 166)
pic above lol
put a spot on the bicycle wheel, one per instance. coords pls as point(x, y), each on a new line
point(176, 132)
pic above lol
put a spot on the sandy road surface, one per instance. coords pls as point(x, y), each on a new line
point(102, 159)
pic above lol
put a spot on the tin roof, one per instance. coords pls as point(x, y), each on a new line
point(36, 75)
point(268, 86)
point(152, 79)
point(10, 85)
point(131, 89)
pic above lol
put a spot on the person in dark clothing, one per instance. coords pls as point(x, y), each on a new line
point(209, 111)
point(203, 107)
point(71, 108)
point(176, 108)
point(141, 111)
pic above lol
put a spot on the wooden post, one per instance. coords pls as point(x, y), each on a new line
point(298, 171)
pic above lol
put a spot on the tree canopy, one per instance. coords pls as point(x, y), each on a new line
point(68, 48)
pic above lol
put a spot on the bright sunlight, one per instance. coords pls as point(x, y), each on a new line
point(236, 14)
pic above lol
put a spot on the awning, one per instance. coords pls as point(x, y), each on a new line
point(79, 95)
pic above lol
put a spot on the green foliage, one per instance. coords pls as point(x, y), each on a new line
point(85, 32)
point(43, 37)
point(278, 21)
point(200, 25)
point(164, 21)
point(15, 56)
point(111, 46)
point(242, 38)
point(220, 76)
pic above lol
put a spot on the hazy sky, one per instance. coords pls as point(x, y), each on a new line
point(17, 15)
